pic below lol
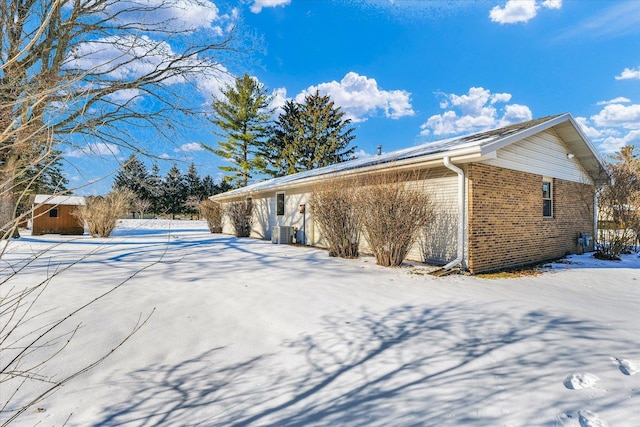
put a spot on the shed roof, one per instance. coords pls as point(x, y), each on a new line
point(46, 199)
point(473, 147)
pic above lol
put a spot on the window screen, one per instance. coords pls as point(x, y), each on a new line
point(280, 204)
point(547, 199)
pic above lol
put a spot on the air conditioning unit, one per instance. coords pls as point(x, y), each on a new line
point(282, 235)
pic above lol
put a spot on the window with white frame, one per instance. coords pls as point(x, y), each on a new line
point(547, 197)
point(280, 204)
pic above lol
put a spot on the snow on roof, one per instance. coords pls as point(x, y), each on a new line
point(58, 200)
point(438, 149)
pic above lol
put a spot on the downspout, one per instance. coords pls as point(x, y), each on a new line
point(595, 219)
point(460, 258)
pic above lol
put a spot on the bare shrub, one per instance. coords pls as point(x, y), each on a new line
point(392, 215)
point(619, 206)
point(240, 214)
point(212, 212)
point(438, 233)
point(140, 206)
point(336, 212)
point(101, 213)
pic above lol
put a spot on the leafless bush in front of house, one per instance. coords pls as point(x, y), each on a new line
point(240, 215)
point(438, 236)
point(392, 215)
point(101, 213)
point(212, 212)
point(335, 210)
point(619, 206)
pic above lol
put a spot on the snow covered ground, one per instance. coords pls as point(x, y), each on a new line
point(244, 332)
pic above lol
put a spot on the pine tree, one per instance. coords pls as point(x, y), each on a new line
point(43, 177)
point(155, 187)
point(194, 189)
point(307, 136)
point(243, 119)
point(134, 176)
point(194, 183)
point(175, 192)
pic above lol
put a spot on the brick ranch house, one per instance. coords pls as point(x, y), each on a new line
point(54, 215)
point(506, 197)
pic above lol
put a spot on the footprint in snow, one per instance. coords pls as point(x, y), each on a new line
point(627, 367)
point(580, 381)
point(589, 419)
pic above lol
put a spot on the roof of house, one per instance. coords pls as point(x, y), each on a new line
point(46, 199)
point(462, 148)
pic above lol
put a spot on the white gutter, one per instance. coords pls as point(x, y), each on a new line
point(460, 258)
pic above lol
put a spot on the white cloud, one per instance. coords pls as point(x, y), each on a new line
point(588, 130)
point(359, 97)
point(515, 11)
point(552, 4)
point(618, 19)
point(278, 99)
point(127, 58)
point(477, 111)
point(171, 15)
point(257, 5)
point(629, 73)
point(212, 85)
point(617, 115)
point(618, 100)
point(515, 113)
point(189, 147)
point(612, 144)
point(615, 126)
point(94, 149)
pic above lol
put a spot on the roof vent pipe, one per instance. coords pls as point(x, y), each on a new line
point(460, 245)
point(379, 150)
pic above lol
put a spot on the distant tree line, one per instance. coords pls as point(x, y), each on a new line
point(306, 135)
point(171, 194)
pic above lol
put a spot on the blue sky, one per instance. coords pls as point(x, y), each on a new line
point(409, 71)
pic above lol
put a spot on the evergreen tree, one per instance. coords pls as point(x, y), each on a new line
point(133, 176)
point(194, 183)
point(243, 119)
point(42, 177)
point(209, 186)
point(308, 136)
point(156, 192)
point(194, 189)
point(175, 192)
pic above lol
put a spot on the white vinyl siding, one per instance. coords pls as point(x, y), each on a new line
point(542, 154)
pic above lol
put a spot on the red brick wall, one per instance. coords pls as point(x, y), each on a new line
point(506, 226)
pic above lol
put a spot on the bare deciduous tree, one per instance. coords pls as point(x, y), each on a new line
point(81, 73)
point(140, 206)
point(619, 205)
